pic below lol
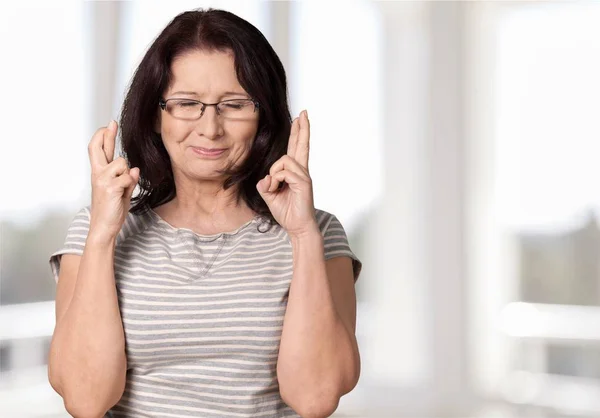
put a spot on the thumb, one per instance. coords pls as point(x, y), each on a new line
point(263, 186)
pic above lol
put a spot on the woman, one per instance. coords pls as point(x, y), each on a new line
point(219, 290)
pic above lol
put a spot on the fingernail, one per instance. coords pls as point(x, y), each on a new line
point(111, 124)
point(305, 113)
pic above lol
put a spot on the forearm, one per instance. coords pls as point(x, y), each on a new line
point(87, 361)
point(318, 357)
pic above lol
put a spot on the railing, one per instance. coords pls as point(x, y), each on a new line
point(25, 333)
point(535, 326)
point(24, 327)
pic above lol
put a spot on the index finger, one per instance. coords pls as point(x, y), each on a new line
point(293, 140)
point(303, 146)
point(96, 151)
point(109, 141)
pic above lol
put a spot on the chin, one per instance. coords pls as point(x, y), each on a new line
point(207, 176)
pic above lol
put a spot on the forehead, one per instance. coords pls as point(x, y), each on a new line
point(206, 73)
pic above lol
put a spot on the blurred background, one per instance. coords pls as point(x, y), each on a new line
point(457, 142)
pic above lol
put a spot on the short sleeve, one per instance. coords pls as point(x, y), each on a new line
point(74, 241)
point(336, 242)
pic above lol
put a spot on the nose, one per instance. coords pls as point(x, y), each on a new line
point(209, 124)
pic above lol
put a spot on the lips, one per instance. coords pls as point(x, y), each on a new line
point(210, 149)
point(208, 152)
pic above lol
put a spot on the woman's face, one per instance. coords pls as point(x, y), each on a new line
point(208, 77)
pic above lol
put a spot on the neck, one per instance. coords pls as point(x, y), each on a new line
point(203, 205)
point(206, 203)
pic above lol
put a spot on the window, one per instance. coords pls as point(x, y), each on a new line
point(536, 281)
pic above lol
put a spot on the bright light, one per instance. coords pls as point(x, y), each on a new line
point(548, 93)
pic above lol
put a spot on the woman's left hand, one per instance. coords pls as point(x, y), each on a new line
point(292, 205)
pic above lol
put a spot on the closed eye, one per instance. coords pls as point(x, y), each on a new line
point(233, 105)
point(188, 104)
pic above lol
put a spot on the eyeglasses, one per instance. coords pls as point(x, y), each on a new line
point(189, 109)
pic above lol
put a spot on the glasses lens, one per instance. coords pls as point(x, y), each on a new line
point(236, 109)
point(184, 109)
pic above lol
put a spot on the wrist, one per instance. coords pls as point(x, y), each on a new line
point(310, 234)
point(97, 236)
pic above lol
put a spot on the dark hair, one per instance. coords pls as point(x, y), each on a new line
point(259, 71)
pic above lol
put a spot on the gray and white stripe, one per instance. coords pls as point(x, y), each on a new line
point(202, 314)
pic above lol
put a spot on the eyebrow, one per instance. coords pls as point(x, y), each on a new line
point(227, 93)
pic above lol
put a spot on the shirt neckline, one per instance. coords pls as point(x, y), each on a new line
point(159, 220)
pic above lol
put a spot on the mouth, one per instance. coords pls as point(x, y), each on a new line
point(209, 152)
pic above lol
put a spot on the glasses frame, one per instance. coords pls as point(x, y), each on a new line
point(163, 104)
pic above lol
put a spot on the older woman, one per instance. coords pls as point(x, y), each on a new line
point(219, 290)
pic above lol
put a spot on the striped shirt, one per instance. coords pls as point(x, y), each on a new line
point(202, 314)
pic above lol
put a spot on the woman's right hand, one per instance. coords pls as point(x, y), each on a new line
point(112, 184)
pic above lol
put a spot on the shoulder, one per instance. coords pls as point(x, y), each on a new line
point(325, 220)
point(135, 224)
point(335, 241)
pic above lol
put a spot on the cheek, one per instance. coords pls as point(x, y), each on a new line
point(246, 141)
point(173, 133)
point(249, 133)
point(168, 130)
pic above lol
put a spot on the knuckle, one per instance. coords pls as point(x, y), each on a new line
point(120, 163)
point(113, 187)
